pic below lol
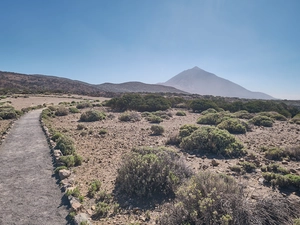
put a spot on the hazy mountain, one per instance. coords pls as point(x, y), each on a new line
point(137, 87)
point(198, 81)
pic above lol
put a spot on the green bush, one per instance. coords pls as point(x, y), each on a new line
point(157, 130)
point(200, 105)
point(56, 136)
point(74, 110)
point(180, 113)
point(92, 115)
point(81, 127)
point(150, 172)
point(243, 114)
point(210, 110)
point(61, 111)
point(77, 159)
point(282, 181)
point(8, 112)
point(65, 145)
point(74, 192)
point(68, 160)
point(249, 167)
point(154, 119)
point(214, 140)
point(234, 126)
point(296, 119)
point(103, 131)
point(208, 198)
point(262, 121)
point(274, 153)
point(57, 169)
point(95, 186)
point(187, 130)
point(101, 209)
point(273, 115)
point(83, 105)
point(214, 118)
point(130, 116)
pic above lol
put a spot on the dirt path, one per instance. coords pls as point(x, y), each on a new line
point(29, 194)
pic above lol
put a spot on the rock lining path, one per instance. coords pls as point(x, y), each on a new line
point(29, 194)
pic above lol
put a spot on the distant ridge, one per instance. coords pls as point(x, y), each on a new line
point(198, 81)
point(23, 83)
point(138, 87)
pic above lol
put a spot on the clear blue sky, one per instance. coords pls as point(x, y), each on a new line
point(254, 43)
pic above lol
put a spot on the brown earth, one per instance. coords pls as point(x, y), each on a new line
point(102, 155)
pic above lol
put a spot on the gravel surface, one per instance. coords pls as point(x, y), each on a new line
point(28, 190)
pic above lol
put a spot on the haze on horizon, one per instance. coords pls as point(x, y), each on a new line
point(252, 43)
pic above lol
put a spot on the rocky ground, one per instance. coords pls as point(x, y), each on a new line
point(102, 154)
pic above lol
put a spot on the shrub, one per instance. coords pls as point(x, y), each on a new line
point(83, 105)
point(262, 121)
point(93, 188)
point(62, 111)
point(282, 181)
point(92, 115)
point(154, 119)
point(56, 136)
point(74, 110)
point(234, 126)
point(74, 192)
point(200, 105)
point(248, 166)
point(57, 169)
point(173, 140)
point(65, 145)
point(101, 209)
point(103, 131)
point(157, 130)
point(208, 198)
point(68, 160)
point(77, 160)
point(274, 153)
point(273, 115)
point(293, 152)
point(148, 172)
point(180, 113)
point(243, 114)
point(7, 113)
point(187, 130)
point(214, 118)
point(214, 140)
point(296, 119)
point(81, 126)
point(210, 110)
point(130, 116)
point(52, 108)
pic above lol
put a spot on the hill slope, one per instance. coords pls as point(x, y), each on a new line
point(198, 81)
point(137, 87)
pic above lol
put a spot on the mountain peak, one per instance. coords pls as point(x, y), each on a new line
point(198, 81)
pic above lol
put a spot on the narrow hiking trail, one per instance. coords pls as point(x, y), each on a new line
point(29, 194)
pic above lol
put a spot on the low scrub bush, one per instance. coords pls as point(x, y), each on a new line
point(180, 113)
point(157, 130)
point(214, 118)
point(154, 119)
point(200, 105)
point(187, 130)
point(61, 111)
point(273, 115)
point(83, 105)
point(94, 187)
point(282, 181)
point(202, 201)
point(8, 112)
point(296, 119)
point(264, 121)
point(102, 131)
point(74, 192)
point(130, 117)
point(210, 110)
point(101, 209)
point(74, 110)
point(248, 167)
point(92, 115)
point(147, 172)
point(81, 127)
point(209, 198)
point(65, 145)
point(243, 114)
point(274, 153)
point(57, 169)
point(68, 160)
point(214, 140)
point(275, 168)
point(234, 126)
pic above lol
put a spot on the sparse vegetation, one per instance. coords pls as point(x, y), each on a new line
point(61, 111)
point(74, 110)
point(180, 113)
point(94, 187)
point(83, 105)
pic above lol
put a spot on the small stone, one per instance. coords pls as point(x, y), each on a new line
point(285, 162)
point(293, 170)
point(63, 174)
point(93, 208)
point(214, 162)
point(242, 160)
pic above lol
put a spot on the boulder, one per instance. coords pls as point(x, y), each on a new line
point(63, 174)
point(82, 218)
